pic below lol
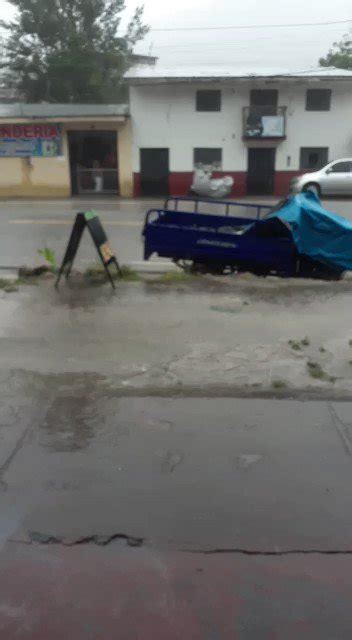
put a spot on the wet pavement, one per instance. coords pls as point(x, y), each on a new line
point(92, 593)
point(228, 336)
point(188, 473)
point(140, 498)
point(26, 226)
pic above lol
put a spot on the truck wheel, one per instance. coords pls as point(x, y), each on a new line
point(313, 187)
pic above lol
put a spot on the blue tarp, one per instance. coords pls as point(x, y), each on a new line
point(317, 233)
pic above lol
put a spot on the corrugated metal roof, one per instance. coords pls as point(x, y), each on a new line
point(43, 110)
point(158, 73)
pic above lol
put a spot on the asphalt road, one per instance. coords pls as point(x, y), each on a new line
point(27, 226)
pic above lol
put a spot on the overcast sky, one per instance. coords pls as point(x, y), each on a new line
point(291, 48)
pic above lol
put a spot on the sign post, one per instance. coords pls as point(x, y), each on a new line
point(91, 220)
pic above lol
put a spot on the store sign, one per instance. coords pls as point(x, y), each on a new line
point(24, 140)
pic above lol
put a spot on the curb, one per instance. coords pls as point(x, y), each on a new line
point(139, 266)
point(9, 273)
point(152, 267)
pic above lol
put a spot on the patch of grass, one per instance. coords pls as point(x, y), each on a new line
point(49, 256)
point(94, 272)
point(11, 288)
point(278, 384)
point(322, 350)
point(316, 371)
point(128, 274)
point(350, 362)
point(295, 345)
point(28, 281)
point(97, 272)
point(350, 343)
point(224, 309)
point(175, 277)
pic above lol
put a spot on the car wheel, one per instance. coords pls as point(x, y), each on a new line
point(313, 187)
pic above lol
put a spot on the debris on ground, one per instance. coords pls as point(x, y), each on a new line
point(30, 272)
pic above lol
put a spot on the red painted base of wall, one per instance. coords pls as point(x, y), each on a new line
point(180, 182)
point(282, 181)
point(137, 191)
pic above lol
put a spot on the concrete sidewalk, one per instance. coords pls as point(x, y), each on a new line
point(232, 336)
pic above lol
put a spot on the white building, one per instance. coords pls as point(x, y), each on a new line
point(261, 128)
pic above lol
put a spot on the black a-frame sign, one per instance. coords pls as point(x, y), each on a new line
point(90, 220)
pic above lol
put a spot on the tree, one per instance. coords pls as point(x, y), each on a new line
point(69, 50)
point(340, 55)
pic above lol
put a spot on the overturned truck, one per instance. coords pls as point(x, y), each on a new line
point(297, 238)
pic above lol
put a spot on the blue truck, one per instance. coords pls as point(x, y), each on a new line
point(296, 238)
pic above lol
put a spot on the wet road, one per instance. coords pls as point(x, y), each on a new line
point(28, 226)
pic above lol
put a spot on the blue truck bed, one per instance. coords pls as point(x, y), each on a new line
point(218, 243)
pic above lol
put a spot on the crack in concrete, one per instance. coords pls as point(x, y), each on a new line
point(36, 537)
point(18, 446)
point(278, 553)
point(342, 429)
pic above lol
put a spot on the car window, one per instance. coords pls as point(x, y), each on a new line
point(341, 167)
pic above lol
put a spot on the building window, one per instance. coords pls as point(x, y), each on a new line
point(318, 100)
point(208, 157)
point(208, 100)
point(264, 101)
point(313, 157)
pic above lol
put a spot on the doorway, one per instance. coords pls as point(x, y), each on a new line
point(154, 172)
point(93, 162)
point(261, 171)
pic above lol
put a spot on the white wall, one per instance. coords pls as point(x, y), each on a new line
point(165, 116)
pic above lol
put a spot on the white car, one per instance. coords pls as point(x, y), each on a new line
point(333, 179)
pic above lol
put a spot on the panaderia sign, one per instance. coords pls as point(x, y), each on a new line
point(26, 140)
